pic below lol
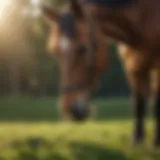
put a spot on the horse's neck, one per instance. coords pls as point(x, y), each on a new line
point(137, 25)
point(145, 19)
point(122, 26)
point(128, 25)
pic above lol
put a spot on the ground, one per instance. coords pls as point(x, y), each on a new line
point(30, 129)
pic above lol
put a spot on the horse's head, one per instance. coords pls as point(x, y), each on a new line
point(68, 41)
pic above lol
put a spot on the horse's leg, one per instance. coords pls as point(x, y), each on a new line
point(139, 86)
point(157, 107)
point(139, 106)
point(138, 76)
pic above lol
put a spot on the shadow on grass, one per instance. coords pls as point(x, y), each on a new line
point(39, 148)
point(92, 151)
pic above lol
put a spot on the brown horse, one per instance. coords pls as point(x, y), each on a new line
point(78, 40)
point(134, 23)
point(68, 42)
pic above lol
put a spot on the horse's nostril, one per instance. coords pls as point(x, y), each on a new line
point(80, 112)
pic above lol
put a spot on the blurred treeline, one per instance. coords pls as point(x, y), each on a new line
point(26, 67)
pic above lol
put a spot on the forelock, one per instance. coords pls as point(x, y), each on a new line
point(68, 24)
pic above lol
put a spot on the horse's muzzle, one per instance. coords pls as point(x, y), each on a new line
point(80, 112)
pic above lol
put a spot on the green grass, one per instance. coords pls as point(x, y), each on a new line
point(26, 109)
point(30, 129)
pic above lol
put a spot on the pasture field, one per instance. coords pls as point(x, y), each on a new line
point(30, 129)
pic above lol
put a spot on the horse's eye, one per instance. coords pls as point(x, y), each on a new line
point(82, 50)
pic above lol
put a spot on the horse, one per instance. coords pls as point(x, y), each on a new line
point(135, 26)
point(68, 43)
point(78, 39)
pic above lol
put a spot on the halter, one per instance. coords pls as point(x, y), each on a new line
point(67, 24)
point(80, 86)
point(91, 61)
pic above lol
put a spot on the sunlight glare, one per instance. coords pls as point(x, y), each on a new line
point(33, 10)
point(36, 2)
point(4, 4)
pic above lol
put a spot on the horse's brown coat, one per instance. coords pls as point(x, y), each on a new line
point(137, 29)
point(136, 26)
point(72, 65)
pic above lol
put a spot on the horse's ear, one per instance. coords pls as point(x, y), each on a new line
point(76, 9)
point(50, 14)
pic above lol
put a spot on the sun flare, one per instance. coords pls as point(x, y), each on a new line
point(4, 4)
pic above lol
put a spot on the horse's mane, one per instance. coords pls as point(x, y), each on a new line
point(67, 21)
point(110, 4)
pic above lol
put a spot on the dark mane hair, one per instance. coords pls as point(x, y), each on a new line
point(67, 24)
point(110, 4)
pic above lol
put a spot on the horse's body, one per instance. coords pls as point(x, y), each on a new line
point(135, 26)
